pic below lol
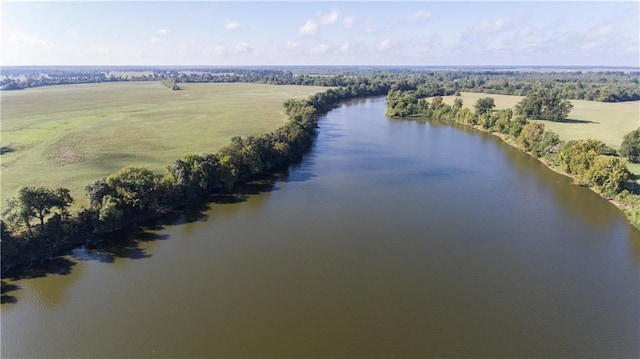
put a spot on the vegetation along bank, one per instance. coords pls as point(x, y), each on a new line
point(590, 162)
point(37, 223)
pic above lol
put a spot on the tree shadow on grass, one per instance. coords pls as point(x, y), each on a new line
point(633, 185)
point(575, 121)
point(110, 162)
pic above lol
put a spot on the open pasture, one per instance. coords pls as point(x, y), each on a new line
point(606, 121)
point(68, 136)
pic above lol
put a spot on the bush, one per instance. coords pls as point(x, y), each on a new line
point(608, 174)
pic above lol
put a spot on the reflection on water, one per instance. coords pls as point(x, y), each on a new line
point(390, 239)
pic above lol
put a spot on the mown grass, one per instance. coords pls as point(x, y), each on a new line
point(68, 136)
point(607, 122)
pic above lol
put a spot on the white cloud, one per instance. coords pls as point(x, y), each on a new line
point(345, 47)
point(241, 48)
point(290, 44)
point(383, 45)
point(310, 28)
point(154, 40)
point(420, 15)
point(330, 18)
point(231, 25)
point(349, 22)
point(488, 26)
point(237, 48)
point(319, 50)
point(162, 31)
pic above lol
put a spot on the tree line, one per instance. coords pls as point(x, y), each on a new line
point(36, 222)
point(590, 162)
point(597, 85)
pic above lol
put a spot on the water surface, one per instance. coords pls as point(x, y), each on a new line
point(391, 239)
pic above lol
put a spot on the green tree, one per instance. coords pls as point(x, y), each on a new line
point(609, 174)
point(530, 135)
point(436, 103)
point(188, 176)
point(9, 245)
point(484, 105)
point(96, 191)
point(516, 126)
point(630, 147)
point(503, 122)
point(111, 211)
point(544, 105)
point(457, 103)
point(548, 144)
point(134, 187)
point(17, 216)
point(38, 203)
point(577, 157)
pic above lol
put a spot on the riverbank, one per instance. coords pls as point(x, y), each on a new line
point(452, 224)
point(625, 201)
point(134, 193)
point(552, 167)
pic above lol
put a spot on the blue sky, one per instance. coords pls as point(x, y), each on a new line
point(320, 33)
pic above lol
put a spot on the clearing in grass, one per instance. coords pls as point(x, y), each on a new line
point(68, 136)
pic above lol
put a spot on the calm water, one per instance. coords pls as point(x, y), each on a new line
point(391, 239)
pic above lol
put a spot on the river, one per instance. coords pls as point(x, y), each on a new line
point(391, 238)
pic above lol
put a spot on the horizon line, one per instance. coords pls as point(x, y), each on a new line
point(323, 65)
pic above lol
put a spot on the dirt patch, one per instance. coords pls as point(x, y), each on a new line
point(67, 155)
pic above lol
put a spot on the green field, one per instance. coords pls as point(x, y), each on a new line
point(68, 136)
point(606, 121)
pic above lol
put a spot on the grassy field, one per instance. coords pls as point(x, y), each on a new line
point(68, 136)
point(607, 122)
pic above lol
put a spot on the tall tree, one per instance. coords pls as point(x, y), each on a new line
point(484, 105)
point(544, 105)
point(630, 147)
point(134, 187)
point(530, 135)
point(36, 202)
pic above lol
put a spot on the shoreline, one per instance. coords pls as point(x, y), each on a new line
point(298, 133)
point(623, 208)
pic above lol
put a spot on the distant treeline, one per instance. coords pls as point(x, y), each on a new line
point(37, 224)
point(597, 85)
point(589, 162)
